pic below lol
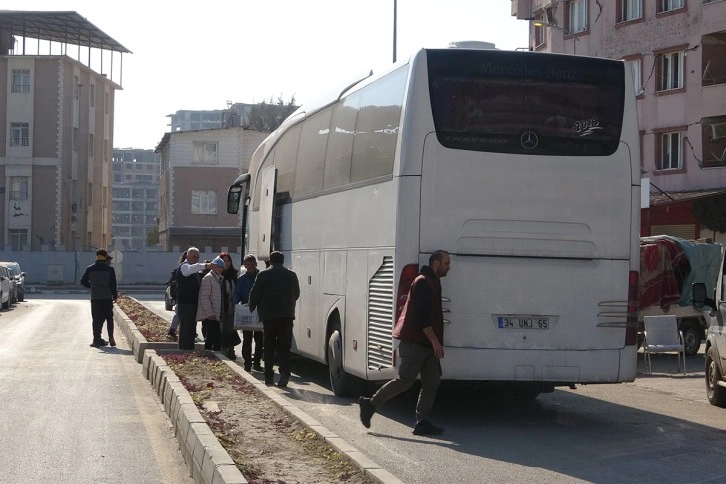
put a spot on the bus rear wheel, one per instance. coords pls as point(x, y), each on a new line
point(343, 384)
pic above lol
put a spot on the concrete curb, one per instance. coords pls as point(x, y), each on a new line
point(138, 343)
point(205, 459)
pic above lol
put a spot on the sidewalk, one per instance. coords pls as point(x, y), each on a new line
point(78, 289)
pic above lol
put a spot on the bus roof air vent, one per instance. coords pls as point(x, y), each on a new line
point(472, 44)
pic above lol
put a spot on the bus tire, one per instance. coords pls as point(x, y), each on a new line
point(343, 384)
point(691, 338)
point(716, 394)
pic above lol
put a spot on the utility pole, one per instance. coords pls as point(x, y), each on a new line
point(395, 18)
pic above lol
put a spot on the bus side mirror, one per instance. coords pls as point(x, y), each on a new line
point(234, 194)
point(700, 298)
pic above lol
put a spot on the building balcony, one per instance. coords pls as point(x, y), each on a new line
point(713, 100)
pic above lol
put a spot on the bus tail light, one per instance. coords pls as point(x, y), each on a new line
point(631, 327)
point(408, 274)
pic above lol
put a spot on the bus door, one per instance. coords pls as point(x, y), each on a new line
point(268, 179)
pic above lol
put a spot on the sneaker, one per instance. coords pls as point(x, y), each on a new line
point(102, 342)
point(94, 344)
point(424, 427)
point(367, 409)
point(248, 367)
point(231, 355)
point(258, 367)
point(284, 380)
point(269, 381)
point(172, 334)
point(112, 341)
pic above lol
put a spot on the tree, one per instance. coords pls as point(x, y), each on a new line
point(268, 116)
point(710, 212)
point(152, 237)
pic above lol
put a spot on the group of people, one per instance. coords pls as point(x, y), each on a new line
point(209, 292)
point(273, 292)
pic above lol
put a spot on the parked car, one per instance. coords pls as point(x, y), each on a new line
point(13, 284)
point(19, 277)
point(5, 287)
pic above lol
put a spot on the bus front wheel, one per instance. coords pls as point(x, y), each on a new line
point(343, 384)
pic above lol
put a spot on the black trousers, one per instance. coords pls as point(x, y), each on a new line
point(247, 337)
point(101, 310)
point(213, 335)
point(278, 338)
point(187, 325)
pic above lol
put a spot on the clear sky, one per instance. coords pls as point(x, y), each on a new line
point(201, 55)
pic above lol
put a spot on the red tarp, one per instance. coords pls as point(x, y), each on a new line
point(663, 265)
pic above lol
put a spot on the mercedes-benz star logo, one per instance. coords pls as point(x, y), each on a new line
point(529, 140)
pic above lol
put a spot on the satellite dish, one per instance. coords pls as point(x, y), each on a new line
point(117, 255)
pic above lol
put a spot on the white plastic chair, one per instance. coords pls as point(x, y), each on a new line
point(662, 336)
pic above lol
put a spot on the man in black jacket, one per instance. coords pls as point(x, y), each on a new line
point(274, 294)
point(100, 277)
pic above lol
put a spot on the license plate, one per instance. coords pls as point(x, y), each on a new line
point(523, 322)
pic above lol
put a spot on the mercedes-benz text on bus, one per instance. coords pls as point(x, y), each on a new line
point(524, 166)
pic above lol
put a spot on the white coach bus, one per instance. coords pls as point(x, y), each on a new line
point(523, 166)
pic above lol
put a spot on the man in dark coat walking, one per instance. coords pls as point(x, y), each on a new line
point(274, 294)
point(100, 277)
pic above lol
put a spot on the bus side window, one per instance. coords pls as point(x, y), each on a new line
point(376, 128)
point(311, 154)
point(340, 142)
point(285, 159)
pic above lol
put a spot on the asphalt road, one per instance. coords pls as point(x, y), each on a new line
point(75, 414)
point(658, 429)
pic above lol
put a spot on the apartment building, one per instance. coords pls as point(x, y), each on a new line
point(197, 168)
point(135, 197)
point(56, 131)
point(677, 52)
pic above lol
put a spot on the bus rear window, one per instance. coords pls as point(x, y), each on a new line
point(540, 104)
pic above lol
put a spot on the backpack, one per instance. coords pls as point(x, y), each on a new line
point(173, 283)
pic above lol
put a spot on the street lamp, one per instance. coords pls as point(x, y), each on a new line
point(395, 18)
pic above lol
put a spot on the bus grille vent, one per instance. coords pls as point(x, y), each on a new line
point(380, 317)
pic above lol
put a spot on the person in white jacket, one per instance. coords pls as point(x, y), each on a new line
point(209, 307)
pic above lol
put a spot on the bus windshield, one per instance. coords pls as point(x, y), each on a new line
point(538, 104)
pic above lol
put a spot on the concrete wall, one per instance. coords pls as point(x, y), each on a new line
point(67, 268)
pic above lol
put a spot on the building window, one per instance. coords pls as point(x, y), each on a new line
point(76, 88)
point(90, 195)
point(75, 139)
point(19, 188)
point(205, 152)
point(106, 102)
point(90, 144)
point(93, 95)
point(105, 150)
point(636, 67)
point(21, 80)
point(576, 11)
point(204, 202)
point(671, 70)
point(18, 238)
point(629, 10)
point(671, 151)
point(668, 5)
point(19, 134)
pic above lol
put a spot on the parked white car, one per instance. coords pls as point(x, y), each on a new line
point(19, 277)
point(6, 282)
